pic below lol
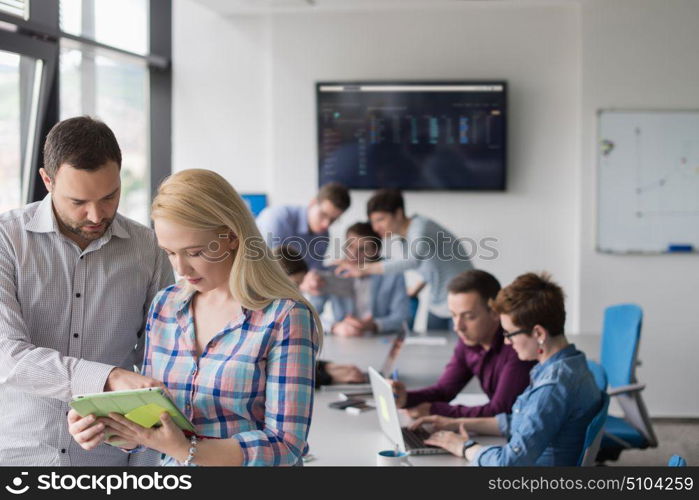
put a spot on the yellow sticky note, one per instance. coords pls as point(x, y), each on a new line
point(383, 408)
point(146, 415)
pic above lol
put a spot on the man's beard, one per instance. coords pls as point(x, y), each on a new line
point(76, 228)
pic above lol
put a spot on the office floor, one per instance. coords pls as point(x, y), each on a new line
point(675, 437)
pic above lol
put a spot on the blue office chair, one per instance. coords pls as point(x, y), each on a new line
point(677, 461)
point(593, 435)
point(618, 355)
point(255, 202)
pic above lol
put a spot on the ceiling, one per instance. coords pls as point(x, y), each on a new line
point(238, 7)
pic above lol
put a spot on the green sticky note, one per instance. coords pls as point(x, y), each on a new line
point(146, 415)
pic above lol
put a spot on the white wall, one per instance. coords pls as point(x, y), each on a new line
point(535, 48)
point(642, 54)
point(479, 42)
point(255, 123)
point(219, 104)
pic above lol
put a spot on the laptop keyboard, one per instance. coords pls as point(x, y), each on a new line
point(415, 440)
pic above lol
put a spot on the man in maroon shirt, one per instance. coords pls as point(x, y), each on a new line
point(481, 353)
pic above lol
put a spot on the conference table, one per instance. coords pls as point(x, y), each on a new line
point(340, 438)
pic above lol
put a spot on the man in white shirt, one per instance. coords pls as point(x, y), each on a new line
point(76, 282)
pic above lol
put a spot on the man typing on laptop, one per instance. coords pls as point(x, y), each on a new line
point(481, 352)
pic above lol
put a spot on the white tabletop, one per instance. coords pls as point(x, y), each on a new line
point(339, 438)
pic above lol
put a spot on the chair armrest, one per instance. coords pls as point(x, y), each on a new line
point(623, 389)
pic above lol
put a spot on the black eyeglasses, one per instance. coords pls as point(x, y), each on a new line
point(512, 334)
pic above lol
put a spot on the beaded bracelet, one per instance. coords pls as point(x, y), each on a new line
point(192, 451)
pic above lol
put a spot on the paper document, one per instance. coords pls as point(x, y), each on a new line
point(470, 399)
point(433, 341)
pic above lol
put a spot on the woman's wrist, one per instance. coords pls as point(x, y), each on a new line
point(181, 452)
point(455, 423)
point(191, 451)
point(472, 452)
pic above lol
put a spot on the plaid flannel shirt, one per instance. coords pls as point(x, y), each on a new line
point(253, 382)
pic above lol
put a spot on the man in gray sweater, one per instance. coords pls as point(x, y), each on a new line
point(428, 248)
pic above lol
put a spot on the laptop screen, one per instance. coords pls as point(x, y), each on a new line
point(386, 408)
point(392, 355)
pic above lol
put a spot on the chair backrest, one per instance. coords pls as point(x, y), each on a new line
point(619, 345)
point(677, 461)
point(599, 374)
point(255, 202)
point(593, 435)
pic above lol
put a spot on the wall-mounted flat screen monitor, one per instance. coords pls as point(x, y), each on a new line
point(413, 135)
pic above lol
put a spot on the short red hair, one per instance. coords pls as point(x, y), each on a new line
point(533, 299)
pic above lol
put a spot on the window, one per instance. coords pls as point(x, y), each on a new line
point(109, 59)
point(25, 71)
point(114, 89)
point(122, 24)
point(110, 85)
point(10, 132)
point(19, 8)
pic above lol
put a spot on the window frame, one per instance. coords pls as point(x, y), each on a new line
point(40, 36)
point(20, 44)
point(23, 15)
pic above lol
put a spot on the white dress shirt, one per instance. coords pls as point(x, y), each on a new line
point(67, 317)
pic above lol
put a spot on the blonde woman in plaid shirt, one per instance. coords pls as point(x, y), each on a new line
point(234, 341)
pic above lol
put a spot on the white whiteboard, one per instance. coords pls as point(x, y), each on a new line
point(648, 181)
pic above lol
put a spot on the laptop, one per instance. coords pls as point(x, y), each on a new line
point(392, 355)
point(411, 442)
point(386, 368)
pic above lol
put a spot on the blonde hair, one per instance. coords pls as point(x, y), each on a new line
point(202, 199)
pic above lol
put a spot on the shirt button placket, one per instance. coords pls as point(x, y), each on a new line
point(188, 405)
point(74, 340)
point(77, 311)
point(64, 440)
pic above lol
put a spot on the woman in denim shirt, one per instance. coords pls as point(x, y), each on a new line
point(549, 419)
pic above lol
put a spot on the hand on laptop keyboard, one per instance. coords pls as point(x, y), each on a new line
point(436, 423)
point(453, 442)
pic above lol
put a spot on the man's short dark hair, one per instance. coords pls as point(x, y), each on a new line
point(81, 142)
point(363, 230)
point(475, 280)
point(385, 200)
point(291, 260)
point(335, 193)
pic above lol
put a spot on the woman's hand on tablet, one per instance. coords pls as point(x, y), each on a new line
point(167, 438)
